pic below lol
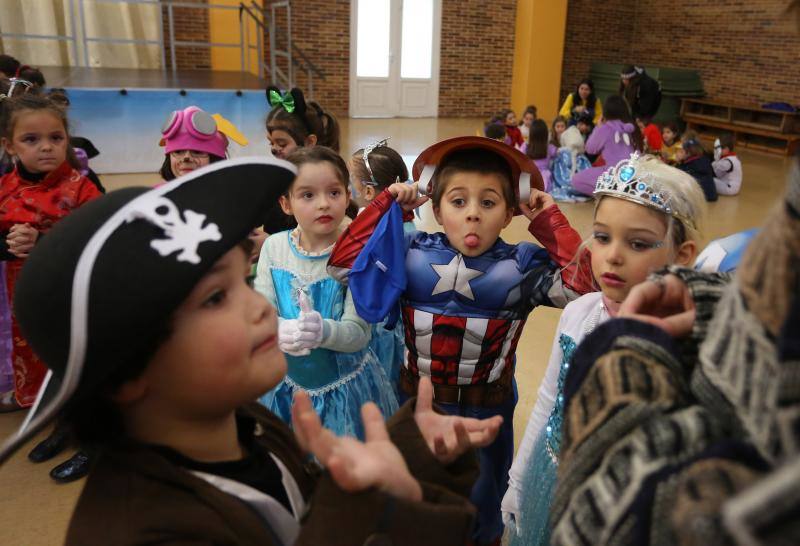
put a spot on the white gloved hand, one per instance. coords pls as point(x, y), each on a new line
point(510, 508)
point(309, 324)
point(298, 336)
point(287, 338)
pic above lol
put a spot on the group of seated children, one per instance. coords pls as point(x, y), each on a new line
point(586, 138)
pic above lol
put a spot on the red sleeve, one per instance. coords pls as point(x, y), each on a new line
point(356, 235)
point(551, 228)
point(88, 191)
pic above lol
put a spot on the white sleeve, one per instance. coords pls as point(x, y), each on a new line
point(263, 281)
point(347, 335)
point(722, 167)
point(545, 401)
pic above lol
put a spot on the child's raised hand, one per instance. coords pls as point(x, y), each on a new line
point(450, 436)
point(407, 195)
point(538, 201)
point(354, 465)
point(309, 324)
point(288, 331)
point(665, 302)
point(21, 239)
point(299, 336)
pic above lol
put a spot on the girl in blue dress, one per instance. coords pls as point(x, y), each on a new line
point(647, 216)
point(326, 342)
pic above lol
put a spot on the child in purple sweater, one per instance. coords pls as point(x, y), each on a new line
point(615, 138)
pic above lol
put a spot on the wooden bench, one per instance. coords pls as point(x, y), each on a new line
point(754, 127)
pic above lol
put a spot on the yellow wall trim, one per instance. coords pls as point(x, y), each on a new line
point(538, 56)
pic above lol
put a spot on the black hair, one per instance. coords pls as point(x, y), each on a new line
point(9, 65)
point(304, 120)
point(59, 95)
point(33, 75)
point(591, 100)
point(553, 136)
point(585, 118)
point(166, 167)
point(727, 140)
point(495, 130)
point(530, 109)
point(476, 160)
point(615, 107)
point(537, 140)
point(673, 126)
point(386, 164)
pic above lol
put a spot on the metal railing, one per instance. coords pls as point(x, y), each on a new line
point(292, 57)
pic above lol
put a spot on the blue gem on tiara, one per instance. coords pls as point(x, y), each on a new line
point(625, 180)
point(626, 173)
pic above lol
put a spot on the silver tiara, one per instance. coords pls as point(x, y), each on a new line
point(367, 151)
point(626, 181)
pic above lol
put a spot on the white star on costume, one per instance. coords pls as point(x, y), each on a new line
point(455, 276)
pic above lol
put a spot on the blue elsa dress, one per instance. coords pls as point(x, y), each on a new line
point(532, 478)
point(343, 373)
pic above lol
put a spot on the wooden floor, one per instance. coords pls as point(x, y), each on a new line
point(35, 511)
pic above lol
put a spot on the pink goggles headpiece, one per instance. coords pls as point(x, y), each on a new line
point(193, 129)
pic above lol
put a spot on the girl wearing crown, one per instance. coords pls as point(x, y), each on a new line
point(647, 216)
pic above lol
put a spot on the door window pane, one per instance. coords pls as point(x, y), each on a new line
point(417, 39)
point(373, 39)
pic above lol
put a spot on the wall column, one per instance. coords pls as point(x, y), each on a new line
point(224, 29)
point(538, 56)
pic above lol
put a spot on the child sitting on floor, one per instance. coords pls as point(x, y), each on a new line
point(726, 165)
point(671, 138)
point(693, 160)
point(651, 135)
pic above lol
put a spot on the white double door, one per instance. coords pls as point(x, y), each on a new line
point(394, 52)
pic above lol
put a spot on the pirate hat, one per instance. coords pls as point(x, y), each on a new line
point(524, 173)
point(103, 281)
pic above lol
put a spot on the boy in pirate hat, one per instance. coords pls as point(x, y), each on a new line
point(157, 366)
point(466, 293)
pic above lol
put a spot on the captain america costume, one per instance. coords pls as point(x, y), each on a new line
point(463, 316)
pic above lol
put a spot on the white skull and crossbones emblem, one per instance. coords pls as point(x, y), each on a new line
point(183, 233)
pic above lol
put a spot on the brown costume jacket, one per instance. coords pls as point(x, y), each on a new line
point(136, 496)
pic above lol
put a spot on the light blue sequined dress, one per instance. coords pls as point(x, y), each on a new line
point(532, 477)
point(540, 475)
point(338, 381)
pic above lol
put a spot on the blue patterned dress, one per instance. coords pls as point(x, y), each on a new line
point(341, 374)
point(532, 477)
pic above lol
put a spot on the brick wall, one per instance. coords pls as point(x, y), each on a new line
point(477, 56)
point(190, 25)
point(596, 31)
point(745, 50)
point(321, 28)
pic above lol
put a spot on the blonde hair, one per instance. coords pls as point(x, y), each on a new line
point(685, 199)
